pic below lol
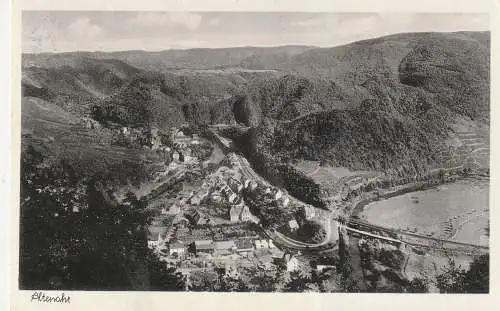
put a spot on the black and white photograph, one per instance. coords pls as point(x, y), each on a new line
point(236, 151)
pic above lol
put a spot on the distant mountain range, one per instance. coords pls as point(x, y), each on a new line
point(393, 101)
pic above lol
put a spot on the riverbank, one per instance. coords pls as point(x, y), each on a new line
point(456, 211)
point(359, 203)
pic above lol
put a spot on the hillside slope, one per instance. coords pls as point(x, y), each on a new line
point(406, 103)
point(417, 100)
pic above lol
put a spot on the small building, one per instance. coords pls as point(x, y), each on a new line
point(156, 236)
point(321, 268)
point(246, 215)
point(224, 247)
point(264, 243)
point(234, 213)
point(278, 194)
point(177, 248)
point(309, 212)
point(261, 244)
point(153, 240)
point(245, 182)
point(216, 198)
point(203, 247)
point(293, 225)
point(244, 246)
point(180, 137)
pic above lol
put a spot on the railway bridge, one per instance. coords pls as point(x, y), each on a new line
point(414, 240)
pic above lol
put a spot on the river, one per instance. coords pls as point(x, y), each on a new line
point(457, 211)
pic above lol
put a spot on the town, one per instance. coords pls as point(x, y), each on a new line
point(211, 220)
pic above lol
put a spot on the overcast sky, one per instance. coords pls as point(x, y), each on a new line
point(114, 31)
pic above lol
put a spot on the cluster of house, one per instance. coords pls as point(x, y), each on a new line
point(181, 142)
point(219, 248)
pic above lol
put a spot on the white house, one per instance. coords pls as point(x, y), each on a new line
point(232, 197)
point(216, 198)
point(155, 236)
point(261, 244)
point(292, 263)
point(234, 213)
point(321, 268)
point(309, 212)
point(177, 248)
point(258, 245)
point(264, 243)
point(293, 225)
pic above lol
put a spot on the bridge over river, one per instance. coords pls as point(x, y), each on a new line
point(353, 226)
point(414, 240)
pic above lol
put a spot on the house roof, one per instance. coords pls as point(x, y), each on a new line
point(293, 223)
point(176, 245)
point(235, 210)
point(225, 245)
point(243, 244)
point(154, 232)
point(204, 244)
point(261, 244)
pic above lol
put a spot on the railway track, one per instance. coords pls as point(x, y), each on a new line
point(419, 241)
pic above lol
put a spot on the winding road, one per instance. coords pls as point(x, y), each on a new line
point(331, 226)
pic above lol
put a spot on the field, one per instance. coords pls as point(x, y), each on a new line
point(329, 176)
point(458, 211)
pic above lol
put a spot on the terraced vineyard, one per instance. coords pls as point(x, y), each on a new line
point(471, 149)
point(475, 148)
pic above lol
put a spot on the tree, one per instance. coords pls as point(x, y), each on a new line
point(231, 283)
point(263, 279)
point(298, 283)
point(417, 285)
point(203, 281)
point(101, 247)
point(455, 279)
point(477, 279)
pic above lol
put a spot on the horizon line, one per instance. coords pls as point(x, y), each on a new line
point(250, 46)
